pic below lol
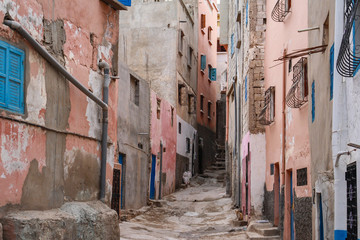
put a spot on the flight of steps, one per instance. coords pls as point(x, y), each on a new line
point(265, 230)
point(217, 168)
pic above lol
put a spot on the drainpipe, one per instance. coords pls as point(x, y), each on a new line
point(284, 120)
point(338, 155)
point(106, 67)
point(53, 62)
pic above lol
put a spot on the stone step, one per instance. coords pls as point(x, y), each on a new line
point(273, 231)
point(257, 236)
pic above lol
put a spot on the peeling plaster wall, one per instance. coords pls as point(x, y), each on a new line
point(161, 131)
point(41, 168)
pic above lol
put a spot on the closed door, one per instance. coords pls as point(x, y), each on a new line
point(152, 177)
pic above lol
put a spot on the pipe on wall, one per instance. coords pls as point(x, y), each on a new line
point(106, 67)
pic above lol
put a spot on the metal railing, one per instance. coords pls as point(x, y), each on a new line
point(298, 92)
point(280, 10)
point(267, 114)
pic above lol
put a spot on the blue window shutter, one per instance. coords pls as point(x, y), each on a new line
point(232, 44)
point(245, 88)
point(213, 74)
point(203, 62)
point(331, 72)
point(3, 76)
point(11, 78)
point(313, 101)
point(247, 12)
point(209, 72)
point(125, 2)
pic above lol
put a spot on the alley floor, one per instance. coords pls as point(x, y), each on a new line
point(200, 211)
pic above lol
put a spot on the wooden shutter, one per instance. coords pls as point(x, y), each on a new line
point(213, 74)
point(2, 76)
point(203, 20)
point(331, 72)
point(15, 81)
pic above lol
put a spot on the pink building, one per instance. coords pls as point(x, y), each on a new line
point(163, 147)
point(207, 89)
point(288, 201)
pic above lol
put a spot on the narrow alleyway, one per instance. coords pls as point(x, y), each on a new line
point(201, 211)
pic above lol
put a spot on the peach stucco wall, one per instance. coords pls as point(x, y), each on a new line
point(205, 86)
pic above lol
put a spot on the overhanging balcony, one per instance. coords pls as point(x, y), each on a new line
point(281, 9)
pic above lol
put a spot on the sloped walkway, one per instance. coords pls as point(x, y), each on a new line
point(200, 211)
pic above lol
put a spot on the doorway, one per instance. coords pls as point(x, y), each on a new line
point(122, 162)
point(152, 176)
point(320, 216)
point(290, 203)
point(276, 194)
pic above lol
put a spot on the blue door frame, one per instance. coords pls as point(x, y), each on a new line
point(121, 161)
point(321, 224)
point(152, 179)
point(292, 208)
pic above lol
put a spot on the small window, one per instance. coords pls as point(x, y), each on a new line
point(179, 128)
point(190, 103)
point(209, 110)
point(203, 62)
point(134, 90)
point(11, 78)
point(232, 49)
point(187, 145)
point(301, 177)
point(203, 21)
point(181, 42)
point(190, 55)
point(180, 93)
point(209, 34)
point(158, 108)
point(325, 40)
point(201, 103)
point(172, 116)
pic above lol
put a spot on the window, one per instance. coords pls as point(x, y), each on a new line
point(298, 92)
point(203, 62)
point(287, 5)
point(313, 101)
point(181, 86)
point(267, 115)
point(179, 127)
point(11, 78)
point(181, 42)
point(246, 89)
point(202, 103)
point(280, 10)
point(190, 103)
point(158, 107)
point(203, 21)
point(209, 110)
point(209, 34)
point(325, 39)
point(172, 116)
point(301, 177)
point(232, 49)
point(187, 145)
point(212, 73)
point(247, 12)
point(190, 53)
point(134, 90)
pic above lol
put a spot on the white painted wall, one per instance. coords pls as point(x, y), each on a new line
point(187, 131)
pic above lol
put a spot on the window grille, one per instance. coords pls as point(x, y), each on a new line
point(349, 53)
point(280, 10)
point(301, 177)
point(267, 114)
point(298, 93)
point(351, 201)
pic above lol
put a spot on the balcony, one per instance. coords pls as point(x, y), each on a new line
point(298, 93)
point(267, 114)
point(349, 53)
point(281, 9)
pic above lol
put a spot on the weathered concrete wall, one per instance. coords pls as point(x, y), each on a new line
point(302, 215)
point(163, 131)
point(320, 130)
point(51, 153)
point(133, 138)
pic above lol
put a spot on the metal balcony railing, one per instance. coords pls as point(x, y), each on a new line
point(349, 53)
point(267, 114)
point(298, 93)
point(280, 10)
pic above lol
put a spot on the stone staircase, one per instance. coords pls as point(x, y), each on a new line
point(217, 168)
point(262, 230)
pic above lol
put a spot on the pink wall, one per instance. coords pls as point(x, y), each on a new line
point(280, 36)
point(21, 143)
point(163, 131)
point(206, 87)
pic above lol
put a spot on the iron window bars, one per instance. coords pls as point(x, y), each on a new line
point(267, 114)
point(298, 93)
point(347, 61)
point(280, 10)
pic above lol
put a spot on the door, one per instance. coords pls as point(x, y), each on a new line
point(276, 194)
point(152, 177)
point(292, 230)
point(122, 162)
point(320, 220)
point(115, 196)
point(351, 201)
